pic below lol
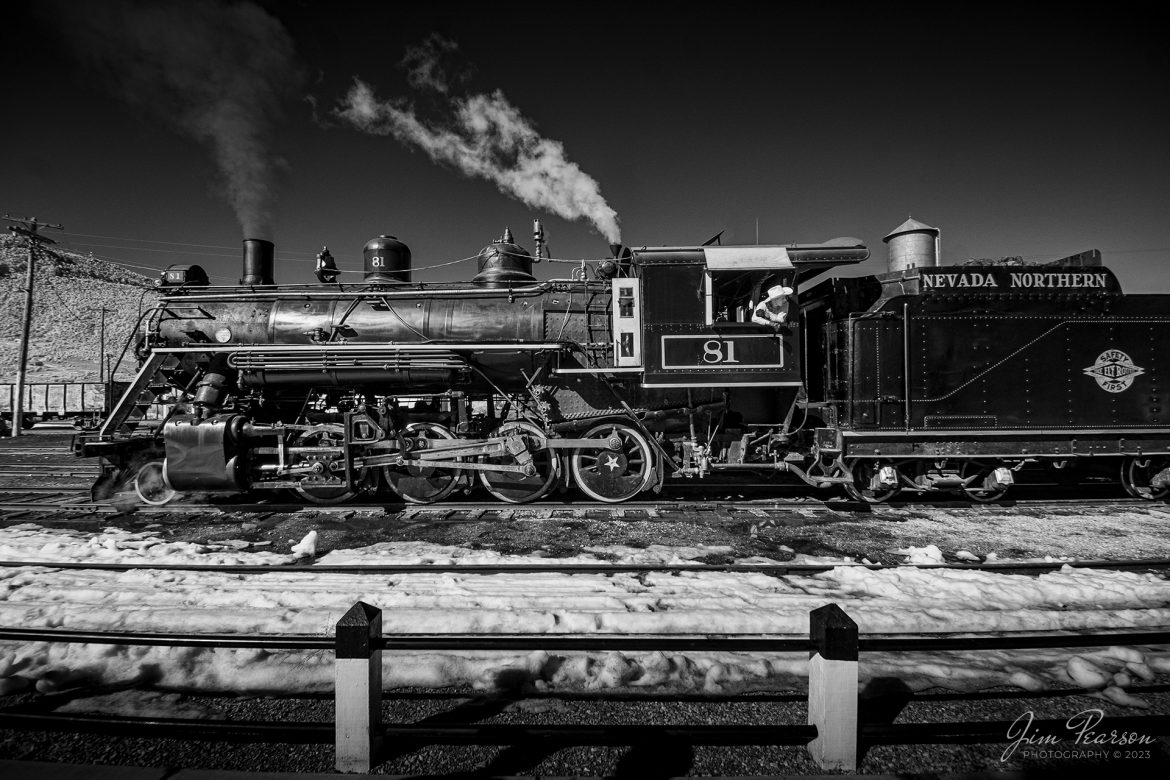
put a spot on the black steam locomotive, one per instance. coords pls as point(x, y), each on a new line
point(652, 364)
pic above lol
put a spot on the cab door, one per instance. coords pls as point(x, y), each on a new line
point(627, 322)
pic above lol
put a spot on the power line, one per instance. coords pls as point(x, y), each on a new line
point(167, 243)
point(124, 262)
point(53, 289)
point(301, 252)
point(147, 267)
point(174, 251)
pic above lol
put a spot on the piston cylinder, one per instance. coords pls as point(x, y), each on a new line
point(204, 454)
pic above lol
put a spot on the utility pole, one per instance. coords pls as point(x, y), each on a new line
point(30, 229)
point(103, 365)
point(102, 348)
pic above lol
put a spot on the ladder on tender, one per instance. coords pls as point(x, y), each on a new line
point(142, 393)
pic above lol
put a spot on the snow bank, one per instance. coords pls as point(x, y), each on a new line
point(31, 542)
point(296, 600)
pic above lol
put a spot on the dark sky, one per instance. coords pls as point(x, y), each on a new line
point(1014, 134)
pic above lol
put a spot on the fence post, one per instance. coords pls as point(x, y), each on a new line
point(358, 688)
point(832, 688)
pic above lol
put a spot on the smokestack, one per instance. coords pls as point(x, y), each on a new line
point(258, 262)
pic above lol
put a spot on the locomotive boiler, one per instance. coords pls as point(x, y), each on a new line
point(655, 363)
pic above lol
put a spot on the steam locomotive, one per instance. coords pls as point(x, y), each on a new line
point(652, 364)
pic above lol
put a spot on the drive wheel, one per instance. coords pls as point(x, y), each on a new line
point(1138, 471)
point(325, 495)
point(863, 471)
point(618, 472)
point(423, 484)
point(519, 488)
point(976, 489)
point(151, 485)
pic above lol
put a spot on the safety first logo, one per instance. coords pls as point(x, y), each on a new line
point(1114, 371)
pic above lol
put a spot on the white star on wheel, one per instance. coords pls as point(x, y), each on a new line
point(611, 462)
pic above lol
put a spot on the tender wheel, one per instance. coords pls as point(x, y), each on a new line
point(977, 489)
point(613, 475)
point(151, 485)
point(518, 488)
point(1139, 472)
point(861, 488)
point(423, 484)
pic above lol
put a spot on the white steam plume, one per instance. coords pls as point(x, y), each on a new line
point(219, 72)
point(483, 136)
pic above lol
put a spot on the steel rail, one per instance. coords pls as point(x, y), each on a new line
point(57, 506)
point(777, 569)
point(164, 639)
point(42, 469)
point(732, 643)
point(742, 507)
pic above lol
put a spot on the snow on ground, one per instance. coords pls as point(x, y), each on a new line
point(296, 600)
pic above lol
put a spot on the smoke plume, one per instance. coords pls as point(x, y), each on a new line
point(218, 72)
point(481, 135)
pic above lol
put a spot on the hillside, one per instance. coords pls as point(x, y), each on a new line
point(68, 294)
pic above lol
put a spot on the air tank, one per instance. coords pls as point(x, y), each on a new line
point(912, 245)
point(387, 261)
point(503, 262)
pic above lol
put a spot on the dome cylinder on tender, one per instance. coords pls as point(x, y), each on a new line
point(387, 260)
point(912, 244)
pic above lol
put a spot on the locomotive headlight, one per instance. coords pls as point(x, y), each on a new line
point(223, 335)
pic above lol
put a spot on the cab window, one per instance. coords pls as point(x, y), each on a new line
point(747, 296)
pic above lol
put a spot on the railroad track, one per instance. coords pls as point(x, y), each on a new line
point(49, 500)
point(552, 567)
point(75, 498)
point(47, 470)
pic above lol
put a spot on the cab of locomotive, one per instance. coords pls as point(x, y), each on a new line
point(727, 313)
point(727, 317)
